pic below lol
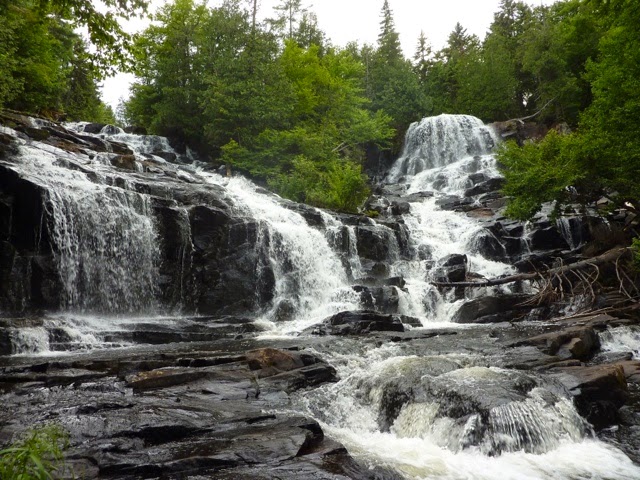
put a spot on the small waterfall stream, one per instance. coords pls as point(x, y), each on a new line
point(424, 410)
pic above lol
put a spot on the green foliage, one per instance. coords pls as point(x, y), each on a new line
point(603, 156)
point(538, 173)
point(338, 185)
point(46, 66)
point(555, 50)
point(635, 251)
point(274, 100)
point(391, 83)
point(102, 24)
point(38, 455)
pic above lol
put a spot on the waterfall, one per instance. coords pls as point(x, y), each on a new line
point(438, 141)
point(310, 280)
point(104, 237)
point(441, 401)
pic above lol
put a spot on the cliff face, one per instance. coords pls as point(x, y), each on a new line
point(80, 214)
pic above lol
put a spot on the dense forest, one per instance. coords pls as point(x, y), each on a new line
point(276, 100)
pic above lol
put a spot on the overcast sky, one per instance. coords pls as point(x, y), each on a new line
point(347, 20)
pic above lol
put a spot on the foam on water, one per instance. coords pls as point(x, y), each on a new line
point(539, 439)
point(621, 340)
point(441, 141)
point(105, 240)
point(309, 276)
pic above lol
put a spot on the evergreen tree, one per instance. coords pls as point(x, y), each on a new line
point(389, 49)
point(422, 58)
point(391, 83)
point(46, 66)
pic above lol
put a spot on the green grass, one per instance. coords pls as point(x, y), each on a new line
point(37, 455)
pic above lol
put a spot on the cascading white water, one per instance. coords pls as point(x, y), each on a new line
point(310, 280)
point(445, 155)
point(539, 437)
point(439, 141)
point(621, 340)
point(104, 237)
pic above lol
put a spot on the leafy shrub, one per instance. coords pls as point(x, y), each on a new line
point(35, 456)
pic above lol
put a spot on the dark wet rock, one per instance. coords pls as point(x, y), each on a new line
point(454, 273)
point(6, 345)
point(377, 203)
point(168, 156)
point(492, 309)
point(374, 242)
point(537, 261)
point(489, 246)
point(358, 323)
point(35, 133)
point(94, 127)
point(127, 162)
point(312, 215)
point(490, 185)
point(453, 259)
point(547, 239)
point(206, 419)
point(372, 269)
point(477, 403)
point(452, 268)
point(382, 299)
point(399, 382)
point(477, 178)
point(135, 130)
point(377, 282)
point(452, 202)
point(599, 391)
point(120, 148)
point(579, 342)
point(476, 390)
point(97, 144)
point(400, 207)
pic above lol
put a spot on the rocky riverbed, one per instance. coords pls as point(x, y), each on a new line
point(182, 325)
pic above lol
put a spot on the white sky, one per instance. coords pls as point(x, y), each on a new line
point(348, 20)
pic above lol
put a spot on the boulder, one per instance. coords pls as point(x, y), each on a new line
point(579, 342)
point(599, 391)
point(135, 130)
point(358, 322)
point(382, 299)
point(491, 309)
point(548, 238)
point(452, 268)
point(373, 242)
point(94, 127)
point(489, 246)
point(487, 186)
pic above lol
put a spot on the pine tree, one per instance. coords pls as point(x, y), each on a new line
point(422, 57)
point(389, 48)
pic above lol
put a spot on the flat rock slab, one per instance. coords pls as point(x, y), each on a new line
point(183, 416)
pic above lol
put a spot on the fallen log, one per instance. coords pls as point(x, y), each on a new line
point(609, 256)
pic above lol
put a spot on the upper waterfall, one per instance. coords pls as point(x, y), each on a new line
point(439, 141)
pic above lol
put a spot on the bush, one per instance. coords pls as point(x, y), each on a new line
point(35, 456)
point(539, 172)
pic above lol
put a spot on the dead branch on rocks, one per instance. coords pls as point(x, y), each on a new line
point(548, 275)
point(574, 280)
